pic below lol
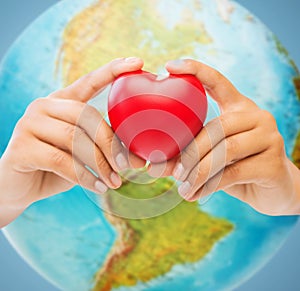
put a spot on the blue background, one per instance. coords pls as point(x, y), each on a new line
point(281, 273)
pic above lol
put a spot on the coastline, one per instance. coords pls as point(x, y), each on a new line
point(149, 248)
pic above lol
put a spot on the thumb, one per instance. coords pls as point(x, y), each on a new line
point(91, 84)
point(216, 85)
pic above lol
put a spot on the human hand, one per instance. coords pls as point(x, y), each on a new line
point(240, 152)
point(56, 138)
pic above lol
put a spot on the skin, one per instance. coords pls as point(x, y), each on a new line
point(240, 152)
point(56, 137)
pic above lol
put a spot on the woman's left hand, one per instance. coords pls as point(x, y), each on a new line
point(240, 152)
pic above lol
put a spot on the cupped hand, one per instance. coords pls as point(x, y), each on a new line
point(240, 152)
point(58, 140)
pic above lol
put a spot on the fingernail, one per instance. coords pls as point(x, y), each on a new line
point(121, 161)
point(178, 171)
point(184, 189)
point(100, 187)
point(176, 63)
point(132, 59)
point(115, 179)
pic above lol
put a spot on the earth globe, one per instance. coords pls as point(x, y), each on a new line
point(78, 241)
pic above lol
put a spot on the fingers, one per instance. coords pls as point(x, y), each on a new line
point(90, 120)
point(213, 133)
point(239, 114)
point(89, 85)
point(164, 169)
point(51, 159)
point(78, 144)
point(241, 126)
point(81, 130)
point(238, 177)
point(216, 85)
point(243, 172)
point(226, 153)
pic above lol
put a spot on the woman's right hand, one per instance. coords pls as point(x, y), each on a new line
point(56, 139)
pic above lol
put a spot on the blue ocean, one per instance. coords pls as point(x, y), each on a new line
point(67, 238)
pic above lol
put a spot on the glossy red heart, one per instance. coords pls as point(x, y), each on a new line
point(156, 119)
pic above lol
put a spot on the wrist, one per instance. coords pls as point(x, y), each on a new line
point(8, 214)
point(294, 205)
point(12, 201)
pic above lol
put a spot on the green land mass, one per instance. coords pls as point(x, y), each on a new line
point(296, 151)
point(110, 29)
point(148, 248)
point(144, 248)
point(282, 50)
point(296, 80)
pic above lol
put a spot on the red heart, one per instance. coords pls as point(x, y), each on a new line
point(156, 119)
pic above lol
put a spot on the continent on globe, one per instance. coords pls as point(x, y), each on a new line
point(148, 248)
point(297, 85)
point(296, 81)
point(145, 249)
point(215, 246)
point(85, 46)
point(296, 152)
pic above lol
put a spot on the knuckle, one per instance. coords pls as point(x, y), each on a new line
point(279, 140)
point(58, 158)
point(106, 139)
point(108, 143)
point(78, 132)
point(224, 123)
point(90, 81)
point(199, 175)
point(22, 125)
point(83, 176)
point(248, 103)
point(113, 68)
point(69, 131)
point(215, 130)
point(232, 148)
point(233, 171)
point(190, 155)
point(18, 144)
point(268, 119)
point(202, 174)
point(73, 133)
point(27, 123)
point(90, 110)
point(102, 165)
point(278, 143)
point(61, 93)
point(36, 105)
point(87, 112)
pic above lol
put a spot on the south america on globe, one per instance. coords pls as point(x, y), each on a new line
point(148, 248)
point(143, 236)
